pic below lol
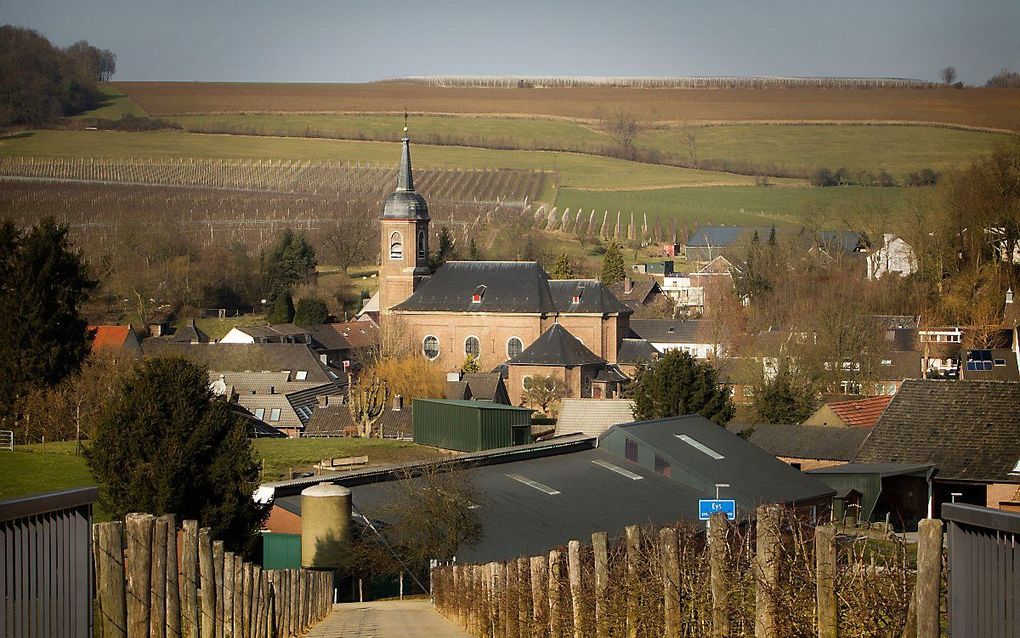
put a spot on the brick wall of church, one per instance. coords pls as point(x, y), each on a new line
point(452, 329)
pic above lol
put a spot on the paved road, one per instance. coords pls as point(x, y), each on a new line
point(390, 619)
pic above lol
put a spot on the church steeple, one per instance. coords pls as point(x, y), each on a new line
point(405, 180)
point(405, 203)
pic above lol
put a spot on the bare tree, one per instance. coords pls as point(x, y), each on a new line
point(543, 391)
point(351, 241)
point(623, 127)
point(689, 135)
point(948, 75)
point(367, 402)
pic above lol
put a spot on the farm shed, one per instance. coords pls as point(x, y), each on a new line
point(470, 426)
point(899, 490)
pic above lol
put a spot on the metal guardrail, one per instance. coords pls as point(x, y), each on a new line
point(984, 571)
point(7, 440)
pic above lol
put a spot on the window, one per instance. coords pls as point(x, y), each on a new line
point(662, 466)
point(472, 347)
point(476, 296)
point(541, 487)
point(430, 347)
point(396, 246)
point(301, 375)
point(526, 382)
point(422, 246)
point(514, 347)
point(260, 413)
point(699, 446)
point(619, 470)
point(630, 450)
point(274, 414)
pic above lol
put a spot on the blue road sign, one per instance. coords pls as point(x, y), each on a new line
point(709, 506)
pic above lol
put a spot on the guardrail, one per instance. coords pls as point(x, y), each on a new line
point(7, 440)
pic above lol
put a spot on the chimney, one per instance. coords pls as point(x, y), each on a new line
point(272, 389)
point(323, 401)
point(628, 285)
point(453, 376)
point(1009, 295)
point(398, 403)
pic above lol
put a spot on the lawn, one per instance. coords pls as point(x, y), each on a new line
point(280, 455)
point(218, 328)
point(735, 205)
point(31, 469)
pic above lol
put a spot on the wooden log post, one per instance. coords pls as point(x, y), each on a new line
point(766, 571)
point(228, 594)
point(295, 602)
point(206, 575)
point(599, 545)
point(670, 582)
point(259, 602)
point(219, 581)
point(157, 580)
point(189, 572)
point(555, 611)
point(173, 591)
point(633, 535)
point(139, 573)
point(523, 596)
point(244, 602)
point(825, 580)
point(719, 577)
point(929, 574)
point(109, 559)
point(237, 624)
point(539, 597)
point(574, 575)
point(510, 600)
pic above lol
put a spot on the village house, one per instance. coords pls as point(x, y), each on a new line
point(636, 294)
point(694, 336)
point(894, 256)
point(120, 341)
point(856, 413)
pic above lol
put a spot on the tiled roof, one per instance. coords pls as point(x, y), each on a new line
point(556, 347)
point(634, 351)
point(109, 337)
point(640, 290)
point(968, 429)
point(359, 334)
point(505, 286)
point(332, 420)
point(251, 357)
point(591, 295)
point(860, 413)
point(671, 330)
point(805, 441)
point(592, 416)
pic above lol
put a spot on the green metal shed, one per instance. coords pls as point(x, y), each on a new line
point(469, 426)
point(281, 551)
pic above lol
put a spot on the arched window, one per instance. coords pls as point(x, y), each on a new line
point(396, 246)
point(514, 347)
point(430, 347)
point(422, 248)
point(526, 382)
point(472, 346)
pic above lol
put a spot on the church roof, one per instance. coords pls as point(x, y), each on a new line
point(502, 286)
point(405, 203)
point(556, 347)
point(585, 296)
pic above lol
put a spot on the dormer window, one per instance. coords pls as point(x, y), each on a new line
point(576, 299)
point(476, 296)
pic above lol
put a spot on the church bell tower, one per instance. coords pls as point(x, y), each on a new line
point(404, 237)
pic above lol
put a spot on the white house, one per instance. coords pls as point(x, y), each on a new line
point(895, 256)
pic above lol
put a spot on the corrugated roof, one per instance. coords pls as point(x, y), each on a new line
point(860, 413)
point(556, 347)
point(592, 416)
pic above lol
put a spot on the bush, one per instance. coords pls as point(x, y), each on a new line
point(678, 384)
point(311, 311)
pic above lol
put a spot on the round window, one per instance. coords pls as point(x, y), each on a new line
point(430, 347)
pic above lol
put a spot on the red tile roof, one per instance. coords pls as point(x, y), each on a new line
point(110, 337)
point(861, 413)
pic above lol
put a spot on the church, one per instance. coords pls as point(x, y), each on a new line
point(507, 314)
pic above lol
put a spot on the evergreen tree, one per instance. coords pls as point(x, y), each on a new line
point(43, 284)
point(562, 269)
point(772, 238)
point(473, 252)
point(167, 445)
point(780, 400)
point(470, 365)
point(311, 311)
point(282, 309)
point(291, 261)
point(678, 384)
point(446, 250)
point(612, 265)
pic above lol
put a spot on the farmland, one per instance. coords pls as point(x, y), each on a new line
point(983, 108)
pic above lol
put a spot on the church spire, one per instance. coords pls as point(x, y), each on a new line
point(405, 181)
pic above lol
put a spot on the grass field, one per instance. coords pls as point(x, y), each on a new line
point(32, 469)
point(115, 105)
point(218, 328)
point(736, 205)
point(990, 108)
point(575, 170)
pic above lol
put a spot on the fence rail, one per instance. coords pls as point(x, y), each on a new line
point(7, 440)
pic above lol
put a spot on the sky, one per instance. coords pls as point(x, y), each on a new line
point(352, 41)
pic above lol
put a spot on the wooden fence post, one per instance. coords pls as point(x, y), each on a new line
point(244, 602)
point(929, 574)
point(173, 591)
point(228, 594)
point(139, 572)
point(523, 596)
point(510, 600)
point(555, 609)
point(825, 579)
point(109, 558)
point(766, 571)
point(497, 610)
point(539, 597)
point(157, 580)
point(720, 576)
point(208, 586)
point(633, 534)
point(219, 580)
point(237, 624)
point(189, 572)
point(295, 602)
point(574, 574)
point(670, 581)
point(599, 544)
point(258, 602)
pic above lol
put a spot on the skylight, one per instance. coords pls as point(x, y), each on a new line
point(699, 446)
point(1016, 468)
point(533, 484)
point(619, 470)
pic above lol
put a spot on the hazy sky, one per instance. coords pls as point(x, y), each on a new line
point(340, 40)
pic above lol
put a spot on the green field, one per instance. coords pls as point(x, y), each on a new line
point(575, 170)
point(116, 104)
point(32, 469)
point(736, 205)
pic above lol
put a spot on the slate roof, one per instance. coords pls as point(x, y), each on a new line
point(671, 330)
point(556, 347)
point(592, 417)
point(968, 429)
point(405, 203)
point(595, 297)
point(805, 441)
point(634, 351)
point(330, 421)
point(860, 413)
point(251, 357)
point(482, 386)
point(640, 291)
point(510, 286)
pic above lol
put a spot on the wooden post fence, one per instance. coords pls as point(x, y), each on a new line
point(929, 575)
point(825, 580)
point(719, 576)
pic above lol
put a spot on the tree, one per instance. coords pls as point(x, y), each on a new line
point(781, 400)
point(543, 391)
point(562, 269)
point(446, 250)
point(43, 285)
point(678, 384)
point(167, 445)
point(470, 365)
point(623, 127)
point(291, 261)
point(948, 75)
point(473, 253)
point(366, 403)
point(351, 242)
point(612, 265)
point(311, 311)
point(282, 309)
point(1004, 79)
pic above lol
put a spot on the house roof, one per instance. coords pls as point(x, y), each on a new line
point(592, 417)
point(111, 337)
point(881, 469)
point(591, 295)
point(481, 386)
point(671, 330)
point(902, 364)
point(251, 357)
point(275, 332)
point(997, 364)
point(640, 291)
point(968, 429)
point(805, 441)
point(860, 413)
point(251, 382)
point(718, 266)
point(332, 420)
point(634, 351)
point(359, 334)
point(556, 347)
point(189, 333)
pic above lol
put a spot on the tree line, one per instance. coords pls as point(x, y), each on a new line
point(40, 82)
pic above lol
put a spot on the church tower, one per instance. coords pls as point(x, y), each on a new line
point(404, 238)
